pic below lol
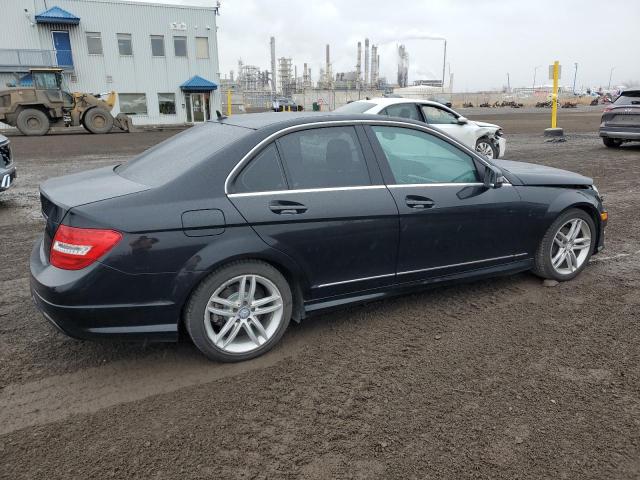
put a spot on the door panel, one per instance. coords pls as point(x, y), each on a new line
point(341, 238)
point(449, 222)
point(62, 46)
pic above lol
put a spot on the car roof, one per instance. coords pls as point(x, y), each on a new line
point(257, 121)
point(395, 101)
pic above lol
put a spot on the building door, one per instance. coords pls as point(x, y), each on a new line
point(198, 104)
point(62, 46)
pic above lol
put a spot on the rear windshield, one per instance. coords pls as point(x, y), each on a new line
point(355, 107)
point(628, 98)
point(172, 157)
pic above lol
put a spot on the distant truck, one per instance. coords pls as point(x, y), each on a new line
point(35, 109)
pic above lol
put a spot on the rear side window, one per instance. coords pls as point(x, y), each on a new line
point(628, 98)
point(404, 110)
point(262, 174)
point(174, 156)
point(324, 158)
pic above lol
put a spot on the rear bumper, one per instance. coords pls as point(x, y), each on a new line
point(620, 133)
point(7, 177)
point(98, 302)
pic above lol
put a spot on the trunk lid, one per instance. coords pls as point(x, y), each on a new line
point(61, 194)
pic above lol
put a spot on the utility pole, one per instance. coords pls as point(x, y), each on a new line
point(444, 61)
point(508, 83)
point(535, 70)
point(610, 75)
point(575, 74)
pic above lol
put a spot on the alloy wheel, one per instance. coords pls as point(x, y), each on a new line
point(243, 313)
point(485, 148)
point(570, 248)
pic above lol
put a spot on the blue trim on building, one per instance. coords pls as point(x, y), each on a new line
point(198, 84)
point(57, 15)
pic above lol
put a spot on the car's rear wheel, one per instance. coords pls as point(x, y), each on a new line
point(485, 147)
point(611, 142)
point(239, 311)
point(566, 247)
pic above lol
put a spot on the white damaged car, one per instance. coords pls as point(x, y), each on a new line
point(484, 138)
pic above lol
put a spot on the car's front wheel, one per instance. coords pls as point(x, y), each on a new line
point(566, 247)
point(239, 311)
point(485, 147)
point(611, 142)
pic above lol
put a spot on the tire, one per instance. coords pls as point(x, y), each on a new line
point(205, 327)
point(549, 249)
point(485, 147)
point(98, 120)
point(611, 142)
point(33, 122)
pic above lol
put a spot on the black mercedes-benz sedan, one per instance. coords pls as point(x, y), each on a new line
point(233, 228)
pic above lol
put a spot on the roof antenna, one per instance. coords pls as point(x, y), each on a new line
point(220, 115)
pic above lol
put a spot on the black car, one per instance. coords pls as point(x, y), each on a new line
point(234, 227)
point(621, 120)
point(7, 167)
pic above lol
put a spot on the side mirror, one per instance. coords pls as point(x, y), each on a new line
point(462, 121)
point(493, 177)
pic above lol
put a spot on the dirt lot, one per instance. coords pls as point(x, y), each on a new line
point(497, 379)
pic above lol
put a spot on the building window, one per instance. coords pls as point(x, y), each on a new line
point(202, 47)
point(167, 103)
point(157, 45)
point(124, 44)
point(133, 103)
point(94, 43)
point(180, 46)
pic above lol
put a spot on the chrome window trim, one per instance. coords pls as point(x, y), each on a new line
point(330, 123)
point(463, 263)
point(412, 185)
point(305, 190)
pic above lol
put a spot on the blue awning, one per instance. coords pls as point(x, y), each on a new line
point(198, 84)
point(57, 15)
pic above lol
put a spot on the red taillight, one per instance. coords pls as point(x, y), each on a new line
point(77, 248)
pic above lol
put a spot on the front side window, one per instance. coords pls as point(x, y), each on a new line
point(180, 46)
point(125, 46)
point(404, 110)
point(438, 116)
point(167, 103)
point(94, 43)
point(157, 45)
point(417, 157)
point(262, 174)
point(202, 47)
point(133, 103)
point(324, 158)
point(47, 80)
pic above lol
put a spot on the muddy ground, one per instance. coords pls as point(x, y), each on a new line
point(500, 379)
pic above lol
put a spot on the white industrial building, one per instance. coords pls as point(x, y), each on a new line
point(162, 60)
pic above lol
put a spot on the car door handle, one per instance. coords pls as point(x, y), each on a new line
point(286, 207)
point(416, 201)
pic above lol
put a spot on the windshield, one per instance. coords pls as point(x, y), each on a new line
point(355, 107)
point(172, 157)
point(628, 98)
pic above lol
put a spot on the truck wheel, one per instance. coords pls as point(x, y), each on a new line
point(32, 122)
point(98, 120)
point(611, 142)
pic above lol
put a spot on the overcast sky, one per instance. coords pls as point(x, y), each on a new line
point(486, 39)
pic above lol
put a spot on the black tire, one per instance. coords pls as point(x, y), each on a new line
point(98, 120)
point(197, 304)
point(611, 142)
point(543, 267)
point(485, 141)
point(33, 122)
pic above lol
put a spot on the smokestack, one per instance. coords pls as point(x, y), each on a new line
point(374, 66)
point(366, 62)
point(273, 65)
point(327, 70)
point(359, 66)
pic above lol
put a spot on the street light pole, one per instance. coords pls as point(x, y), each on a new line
point(610, 75)
point(535, 70)
point(575, 74)
point(444, 61)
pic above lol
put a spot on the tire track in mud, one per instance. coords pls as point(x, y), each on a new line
point(58, 397)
